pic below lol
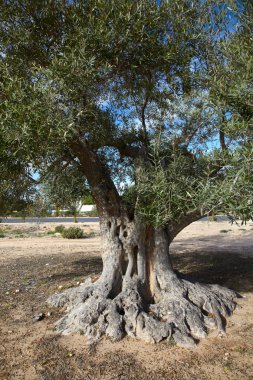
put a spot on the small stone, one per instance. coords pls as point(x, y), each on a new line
point(78, 283)
point(49, 313)
point(17, 290)
point(60, 287)
point(7, 293)
point(47, 264)
point(38, 317)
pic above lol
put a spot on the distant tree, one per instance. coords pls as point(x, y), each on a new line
point(87, 199)
point(64, 186)
point(17, 186)
point(15, 197)
point(39, 206)
point(143, 95)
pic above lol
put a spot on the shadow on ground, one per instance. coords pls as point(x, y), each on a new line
point(39, 276)
point(83, 267)
point(228, 269)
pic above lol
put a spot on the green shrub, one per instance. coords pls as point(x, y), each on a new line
point(88, 200)
point(59, 229)
point(2, 235)
point(73, 233)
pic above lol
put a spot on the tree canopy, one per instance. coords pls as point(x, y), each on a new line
point(172, 79)
point(150, 102)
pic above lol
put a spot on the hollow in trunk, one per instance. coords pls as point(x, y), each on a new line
point(139, 294)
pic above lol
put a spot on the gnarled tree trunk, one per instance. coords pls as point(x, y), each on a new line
point(139, 294)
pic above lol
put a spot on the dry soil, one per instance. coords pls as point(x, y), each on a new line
point(35, 263)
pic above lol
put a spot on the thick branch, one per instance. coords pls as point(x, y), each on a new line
point(102, 187)
point(125, 149)
point(174, 228)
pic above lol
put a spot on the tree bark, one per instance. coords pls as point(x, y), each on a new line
point(102, 187)
point(139, 294)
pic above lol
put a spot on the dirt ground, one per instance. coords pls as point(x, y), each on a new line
point(35, 263)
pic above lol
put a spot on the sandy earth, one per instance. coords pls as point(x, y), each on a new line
point(34, 264)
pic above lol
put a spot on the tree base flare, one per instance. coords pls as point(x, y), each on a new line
point(185, 312)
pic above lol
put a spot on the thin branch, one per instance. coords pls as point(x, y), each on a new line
point(222, 140)
point(49, 170)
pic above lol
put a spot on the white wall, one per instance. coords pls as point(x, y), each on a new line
point(85, 208)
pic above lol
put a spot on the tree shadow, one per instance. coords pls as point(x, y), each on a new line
point(229, 269)
point(52, 268)
point(232, 270)
point(87, 266)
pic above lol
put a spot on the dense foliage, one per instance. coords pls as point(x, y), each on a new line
point(160, 91)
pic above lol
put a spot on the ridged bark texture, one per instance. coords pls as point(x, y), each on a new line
point(138, 293)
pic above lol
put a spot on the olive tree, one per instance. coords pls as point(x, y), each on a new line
point(125, 91)
point(64, 186)
point(17, 187)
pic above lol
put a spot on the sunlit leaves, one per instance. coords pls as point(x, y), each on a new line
point(123, 74)
point(176, 185)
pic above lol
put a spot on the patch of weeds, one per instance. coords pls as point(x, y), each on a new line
point(50, 232)
point(73, 233)
point(59, 229)
point(242, 229)
point(224, 231)
point(2, 235)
